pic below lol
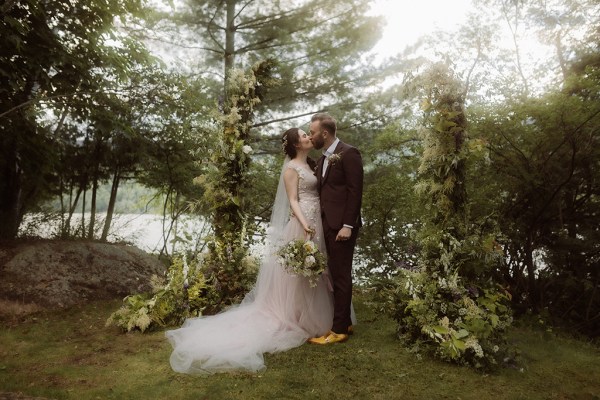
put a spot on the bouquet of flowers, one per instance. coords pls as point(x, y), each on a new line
point(302, 258)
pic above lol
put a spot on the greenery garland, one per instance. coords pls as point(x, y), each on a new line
point(448, 306)
point(224, 274)
point(224, 184)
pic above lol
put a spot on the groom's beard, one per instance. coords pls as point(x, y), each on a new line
point(318, 143)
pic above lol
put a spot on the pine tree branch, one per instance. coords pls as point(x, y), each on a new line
point(211, 23)
point(270, 20)
point(322, 53)
point(183, 46)
point(264, 123)
point(367, 121)
point(513, 31)
point(257, 22)
point(242, 9)
point(255, 46)
point(475, 62)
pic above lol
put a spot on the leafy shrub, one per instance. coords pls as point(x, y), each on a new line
point(186, 292)
point(442, 315)
point(230, 271)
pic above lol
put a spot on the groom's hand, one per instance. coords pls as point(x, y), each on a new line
point(343, 234)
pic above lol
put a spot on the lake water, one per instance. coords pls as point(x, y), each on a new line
point(145, 231)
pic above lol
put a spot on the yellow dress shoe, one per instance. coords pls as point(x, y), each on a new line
point(329, 338)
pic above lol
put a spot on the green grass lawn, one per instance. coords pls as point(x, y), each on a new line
point(72, 355)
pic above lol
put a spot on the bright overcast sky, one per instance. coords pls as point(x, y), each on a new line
point(409, 20)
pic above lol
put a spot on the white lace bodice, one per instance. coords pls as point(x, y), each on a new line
point(308, 196)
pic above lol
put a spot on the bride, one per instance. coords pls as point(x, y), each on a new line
point(281, 311)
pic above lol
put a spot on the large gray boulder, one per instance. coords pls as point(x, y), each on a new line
point(51, 273)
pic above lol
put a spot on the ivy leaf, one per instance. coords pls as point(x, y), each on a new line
point(462, 333)
point(494, 320)
point(440, 329)
point(459, 344)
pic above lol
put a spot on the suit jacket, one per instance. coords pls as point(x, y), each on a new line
point(341, 188)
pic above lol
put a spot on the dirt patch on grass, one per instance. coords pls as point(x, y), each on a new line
point(13, 308)
point(50, 274)
point(19, 396)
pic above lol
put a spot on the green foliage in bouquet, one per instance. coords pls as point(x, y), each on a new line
point(448, 305)
point(183, 293)
point(302, 258)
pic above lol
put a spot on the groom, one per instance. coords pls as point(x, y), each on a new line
point(340, 183)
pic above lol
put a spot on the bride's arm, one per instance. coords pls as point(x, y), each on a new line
point(290, 178)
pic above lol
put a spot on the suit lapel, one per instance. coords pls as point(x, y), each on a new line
point(338, 149)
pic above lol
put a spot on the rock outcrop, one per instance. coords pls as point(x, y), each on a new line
point(57, 274)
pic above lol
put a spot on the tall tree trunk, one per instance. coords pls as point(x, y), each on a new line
point(66, 230)
point(166, 232)
point(10, 198)
point(561, 58)
point(111, 203)
point(62, 201)
point(575, 258)
point(514, 28)
point(95, 176)
point(229, 58)
point(83, 211)
point(12, 177)
point(530, 265)
point(93, 205)
point(175, 220)
point(65, 227)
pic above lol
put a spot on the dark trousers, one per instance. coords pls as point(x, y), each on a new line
point(339, 262)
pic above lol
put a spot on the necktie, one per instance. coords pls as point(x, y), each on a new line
point(325, 162)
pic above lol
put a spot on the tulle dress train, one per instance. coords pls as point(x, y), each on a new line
point(281, 311)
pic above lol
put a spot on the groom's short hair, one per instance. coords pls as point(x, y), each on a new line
point(327, 122)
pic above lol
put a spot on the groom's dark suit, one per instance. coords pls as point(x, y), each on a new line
point(340, 192)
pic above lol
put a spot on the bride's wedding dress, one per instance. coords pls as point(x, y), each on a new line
point(281, 311)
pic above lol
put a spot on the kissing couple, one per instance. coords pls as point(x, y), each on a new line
point(314, 201)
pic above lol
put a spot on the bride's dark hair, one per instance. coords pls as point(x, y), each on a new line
point(289, 140)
